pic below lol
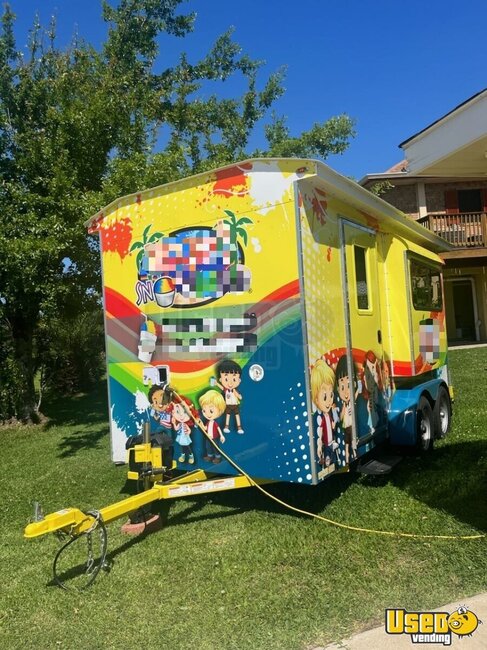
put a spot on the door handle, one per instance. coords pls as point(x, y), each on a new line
point(379, 337)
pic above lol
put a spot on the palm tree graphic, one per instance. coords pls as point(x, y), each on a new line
point(140, 245)
point(237, 229)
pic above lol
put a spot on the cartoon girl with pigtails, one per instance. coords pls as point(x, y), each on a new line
point(183, 424)
point(372, 388)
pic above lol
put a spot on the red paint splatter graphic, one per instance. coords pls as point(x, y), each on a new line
point(319, 205)
point(117, 237)
point(232, 181)
point(95, 225)
point(333, 356)
point(371, 221)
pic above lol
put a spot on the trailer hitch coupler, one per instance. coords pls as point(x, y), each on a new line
point(38, 514)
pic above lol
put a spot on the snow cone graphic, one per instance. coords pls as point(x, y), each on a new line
point(147, 342)
point(164, 292)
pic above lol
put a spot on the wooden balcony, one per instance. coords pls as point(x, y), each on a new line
point(463, 230)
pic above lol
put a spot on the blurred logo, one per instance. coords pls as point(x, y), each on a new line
point(194, 266)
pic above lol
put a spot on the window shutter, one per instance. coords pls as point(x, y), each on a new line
point(451, 202)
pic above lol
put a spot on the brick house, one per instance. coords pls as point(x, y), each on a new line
point(442, 183)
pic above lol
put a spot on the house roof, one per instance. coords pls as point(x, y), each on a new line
point(426, 128)
point(401, 166)
point(455, 145)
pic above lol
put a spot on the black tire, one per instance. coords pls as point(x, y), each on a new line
point(442, 413)
point(424, 425)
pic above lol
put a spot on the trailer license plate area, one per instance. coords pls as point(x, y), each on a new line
point(197, 488)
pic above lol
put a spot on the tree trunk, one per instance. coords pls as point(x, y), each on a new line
point(23, 340)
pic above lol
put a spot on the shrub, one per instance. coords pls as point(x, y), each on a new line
point(73, 357)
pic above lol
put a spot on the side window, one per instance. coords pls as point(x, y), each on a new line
point(425, 286)
point(361, 284)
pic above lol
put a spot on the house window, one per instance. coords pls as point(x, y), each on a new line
point(465, 201)
point(470, 201)
point(425, 286)
point(361, 277)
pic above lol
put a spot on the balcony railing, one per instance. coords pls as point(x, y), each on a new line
point(463, 230)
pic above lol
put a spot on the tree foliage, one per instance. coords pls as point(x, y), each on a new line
point(80, 126)
point(71, 351)
point(381, 187)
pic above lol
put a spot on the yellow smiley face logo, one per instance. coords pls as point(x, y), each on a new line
point(462, 621)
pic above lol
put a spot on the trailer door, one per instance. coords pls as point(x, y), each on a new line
point(364, 336)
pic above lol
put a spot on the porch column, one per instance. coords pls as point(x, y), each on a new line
point(421, 198)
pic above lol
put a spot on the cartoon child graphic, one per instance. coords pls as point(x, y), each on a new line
point(322, 390)
point(387, 385)
point(229, 375)
point(345, 387)
point(161, 409)
point(183, 424)
point(212, 406)
point(372, 388)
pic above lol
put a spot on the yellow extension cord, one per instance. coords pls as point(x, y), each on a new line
point(312, 514)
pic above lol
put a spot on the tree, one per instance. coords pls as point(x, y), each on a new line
point(79, 127)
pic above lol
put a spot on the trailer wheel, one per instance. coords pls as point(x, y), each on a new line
point(442, 413)
point(424, 425)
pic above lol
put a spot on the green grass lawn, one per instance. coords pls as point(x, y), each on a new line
point(234, 570)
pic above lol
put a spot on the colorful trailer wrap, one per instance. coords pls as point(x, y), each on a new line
point(284, 302)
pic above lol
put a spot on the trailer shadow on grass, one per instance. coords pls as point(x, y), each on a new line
point(80, 439)
point(83, 409)
point(452, 479)
point(85, 415)
point(68, 576)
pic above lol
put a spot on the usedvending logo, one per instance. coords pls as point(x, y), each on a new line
point(432, 627)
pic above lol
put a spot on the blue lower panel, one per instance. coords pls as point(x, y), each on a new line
point(274, 417)
point(402, 415)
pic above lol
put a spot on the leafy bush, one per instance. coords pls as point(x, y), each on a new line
point(73, 352)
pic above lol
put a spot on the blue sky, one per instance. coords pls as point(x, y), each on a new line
point(394, 67)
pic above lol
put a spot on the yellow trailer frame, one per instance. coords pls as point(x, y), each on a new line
point(74, 522)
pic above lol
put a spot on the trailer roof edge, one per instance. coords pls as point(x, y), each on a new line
point(193, 177)
point(343, 186)
point(351, 191)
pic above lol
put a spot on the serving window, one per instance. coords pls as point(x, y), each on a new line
point(425, 286)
